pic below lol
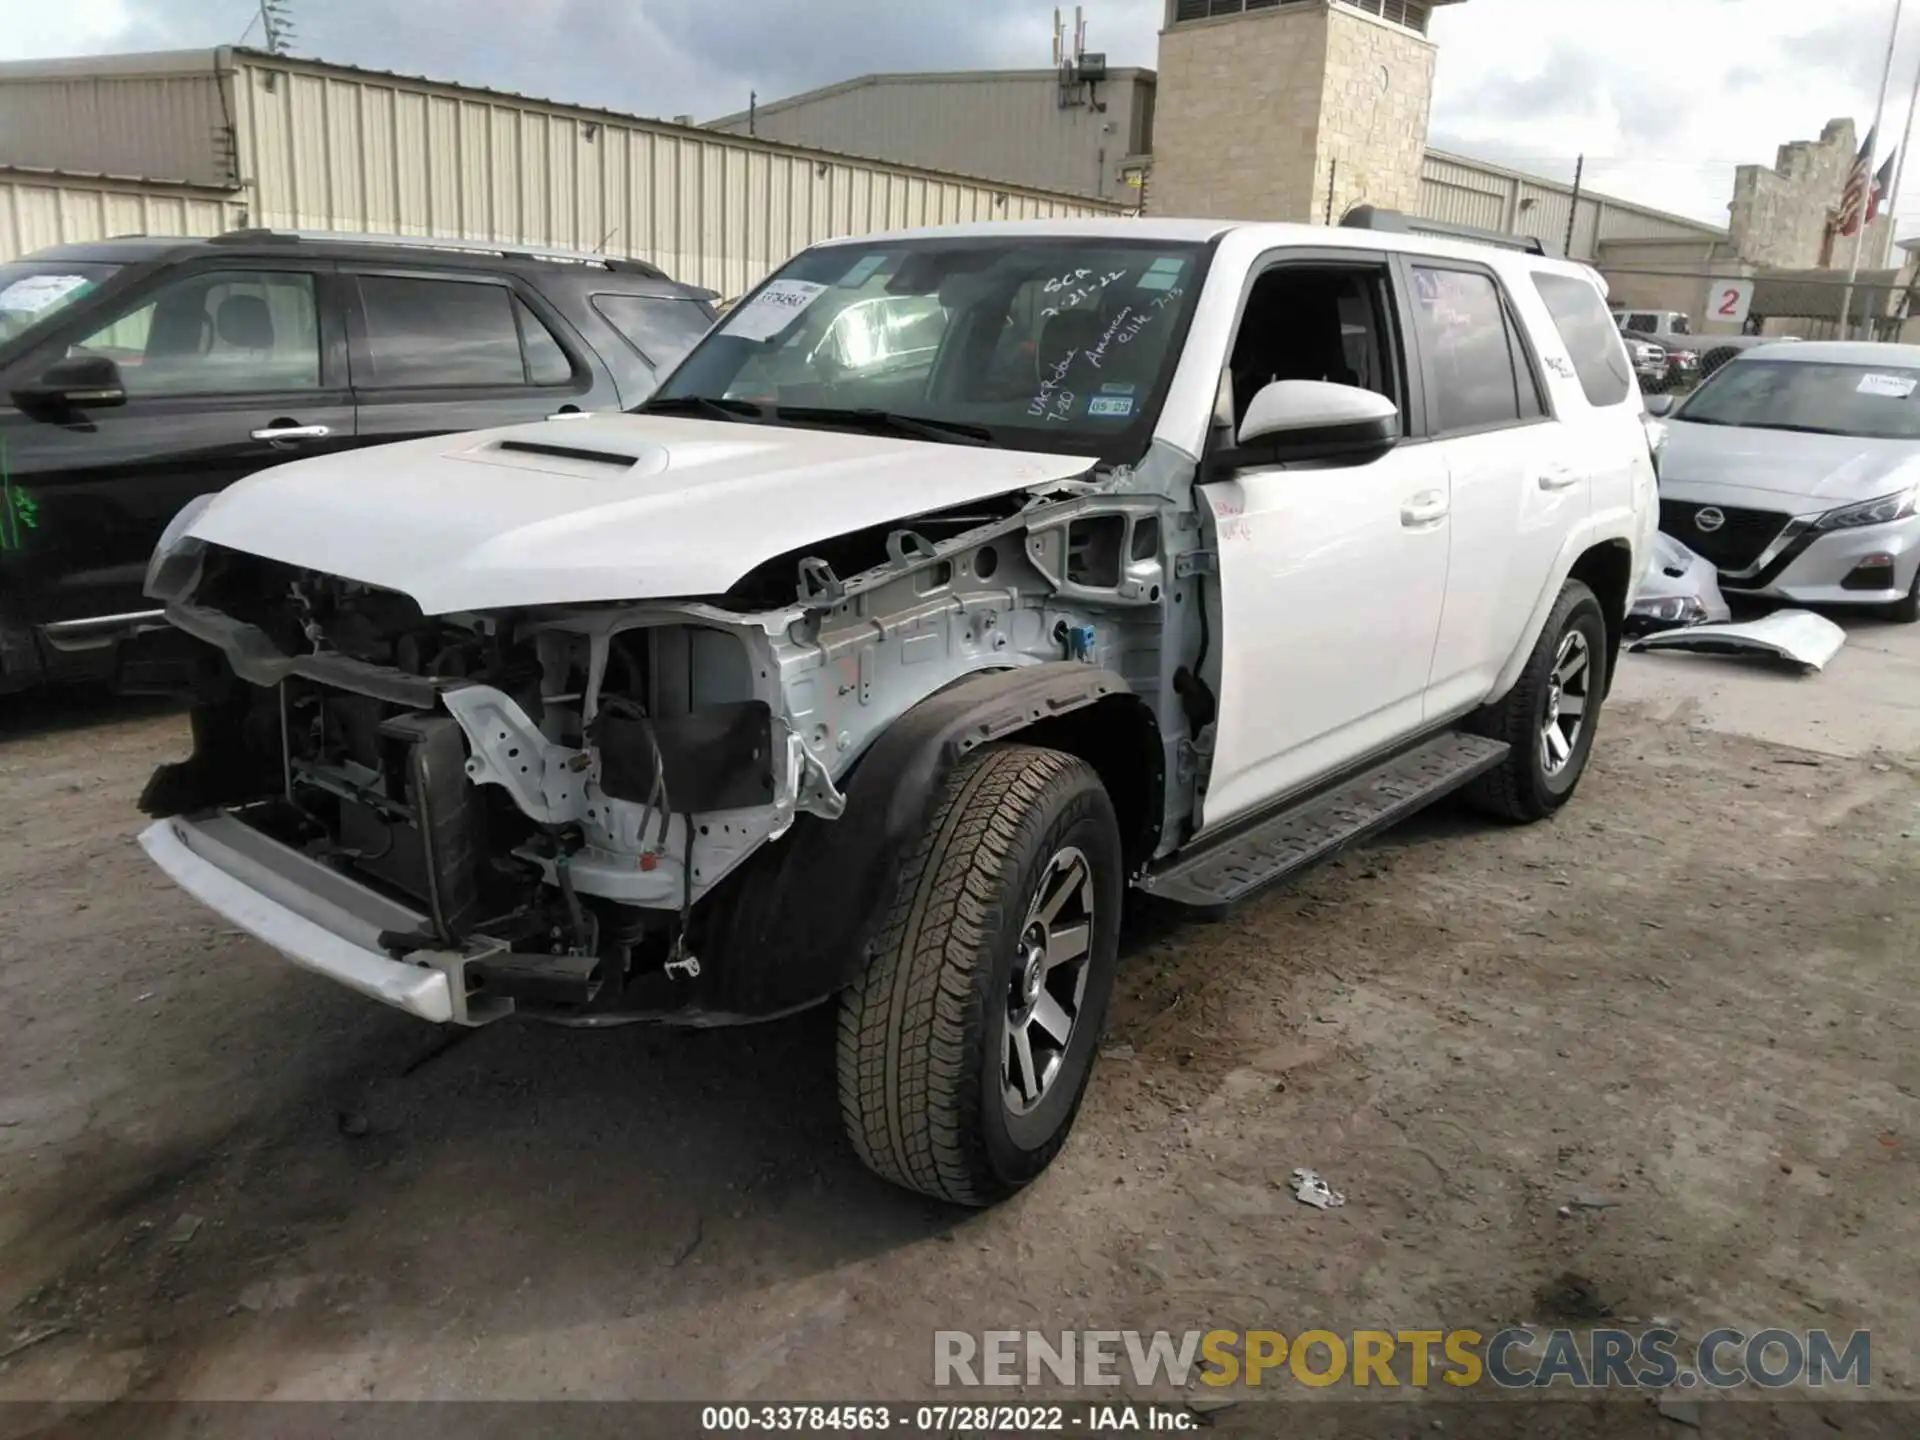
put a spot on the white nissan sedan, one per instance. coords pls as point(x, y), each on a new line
point(1794, 471)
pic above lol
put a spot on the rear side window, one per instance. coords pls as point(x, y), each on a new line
point(661, 330)
point(1469, 352)
point(1587, 330)
point(453, 333)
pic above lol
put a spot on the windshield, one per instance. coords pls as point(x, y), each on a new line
point(1035, 342)
point(1868, 401)
point(31, 291)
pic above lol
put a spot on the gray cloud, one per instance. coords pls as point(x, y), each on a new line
point(1663, 102)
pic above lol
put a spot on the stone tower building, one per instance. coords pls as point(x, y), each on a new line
point(1268, 109)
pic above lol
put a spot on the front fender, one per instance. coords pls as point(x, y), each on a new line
point(793, 925)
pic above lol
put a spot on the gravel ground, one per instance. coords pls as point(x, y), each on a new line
point(222, 1178)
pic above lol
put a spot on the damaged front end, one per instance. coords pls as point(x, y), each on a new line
point(621, 811)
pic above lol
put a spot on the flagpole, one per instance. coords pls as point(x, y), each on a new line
point(1900, 170)
point(1860, 235)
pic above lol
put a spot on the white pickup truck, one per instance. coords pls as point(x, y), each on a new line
point(959, 580)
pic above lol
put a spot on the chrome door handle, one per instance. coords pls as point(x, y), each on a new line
point(1559, 479)
point(293, 432)
point(1424, 509)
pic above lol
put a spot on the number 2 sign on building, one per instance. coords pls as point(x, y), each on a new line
point(1728, 301)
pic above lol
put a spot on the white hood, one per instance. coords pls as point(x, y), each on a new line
point(648, 506)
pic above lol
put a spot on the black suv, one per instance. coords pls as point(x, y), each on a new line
point(140, 372)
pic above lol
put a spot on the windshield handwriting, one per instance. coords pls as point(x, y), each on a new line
point(1054, 402)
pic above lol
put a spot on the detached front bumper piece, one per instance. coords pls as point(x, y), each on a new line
point(319, 919)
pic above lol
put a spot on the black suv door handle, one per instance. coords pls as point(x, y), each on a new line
point(287, 430)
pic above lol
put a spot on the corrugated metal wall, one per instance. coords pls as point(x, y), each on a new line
point(1466, 192)
point(165, 121)
point(1007, 124)
point(329, 148)
point(38, 210)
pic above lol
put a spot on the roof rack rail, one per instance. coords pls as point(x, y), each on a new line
point(1372, 217)
point(429, 242)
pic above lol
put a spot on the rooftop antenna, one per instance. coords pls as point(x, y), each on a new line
point(1059, 39)
point(276, 21)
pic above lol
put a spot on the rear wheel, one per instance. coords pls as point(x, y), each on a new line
point(966, 1045)
point(1550, 714)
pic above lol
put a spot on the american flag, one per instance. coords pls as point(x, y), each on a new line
point(1853, 199)
point(1882, 189)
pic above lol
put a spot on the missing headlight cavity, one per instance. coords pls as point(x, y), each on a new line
point(1094, 548)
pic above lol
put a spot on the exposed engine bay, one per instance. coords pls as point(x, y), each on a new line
point(611, 811)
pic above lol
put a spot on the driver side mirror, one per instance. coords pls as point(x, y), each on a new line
point(1659, 406)
point(1314, 420)
point(75, 382)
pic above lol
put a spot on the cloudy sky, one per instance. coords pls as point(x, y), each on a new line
point(1663, 96)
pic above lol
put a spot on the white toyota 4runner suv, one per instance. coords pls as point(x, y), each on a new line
point(958, 581)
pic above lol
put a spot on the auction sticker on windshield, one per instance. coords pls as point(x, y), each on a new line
point(773, 309)
point(1893, 387)
point(32, 293)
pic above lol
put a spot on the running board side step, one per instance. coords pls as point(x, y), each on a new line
point(1268, 847)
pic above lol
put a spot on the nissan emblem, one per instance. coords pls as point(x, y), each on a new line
point(1707, 519)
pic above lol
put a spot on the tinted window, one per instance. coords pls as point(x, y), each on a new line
point(1463, 330)
point(661, 330)
point(440, 332)
point(547, 363)
point(211, 334)
point(1880, 402)
point(1580, 315)
point(1642, 324)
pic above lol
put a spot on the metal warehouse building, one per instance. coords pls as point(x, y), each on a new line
point(193, 142)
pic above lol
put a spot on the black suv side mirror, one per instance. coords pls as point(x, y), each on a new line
point(75, 382)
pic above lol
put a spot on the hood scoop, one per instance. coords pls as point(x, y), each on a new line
point(569, 452)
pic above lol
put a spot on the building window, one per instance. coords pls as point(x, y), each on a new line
point(1410, 13)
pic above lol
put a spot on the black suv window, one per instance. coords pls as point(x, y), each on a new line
point(1470, 352)
point(1587, 329)
point(216, 333)
point(422, 332)
point(661, 330)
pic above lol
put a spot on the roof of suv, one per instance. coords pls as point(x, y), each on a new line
point(1259, 235)
point(451, 254)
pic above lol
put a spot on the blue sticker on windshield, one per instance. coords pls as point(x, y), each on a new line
point(862, 272)
point(1114, 406)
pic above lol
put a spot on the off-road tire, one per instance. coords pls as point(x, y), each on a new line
point(921, 1031)
point(1521, 790)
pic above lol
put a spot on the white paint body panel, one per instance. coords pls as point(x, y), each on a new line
point(460, 524)
point(1798, 636)
point(312, 946)
point(1329, 597)
point(1516, 493)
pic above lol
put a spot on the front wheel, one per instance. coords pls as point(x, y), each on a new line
point(1550, 714)
point(966, 1044)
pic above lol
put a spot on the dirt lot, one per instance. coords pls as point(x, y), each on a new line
point(1694, 993)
